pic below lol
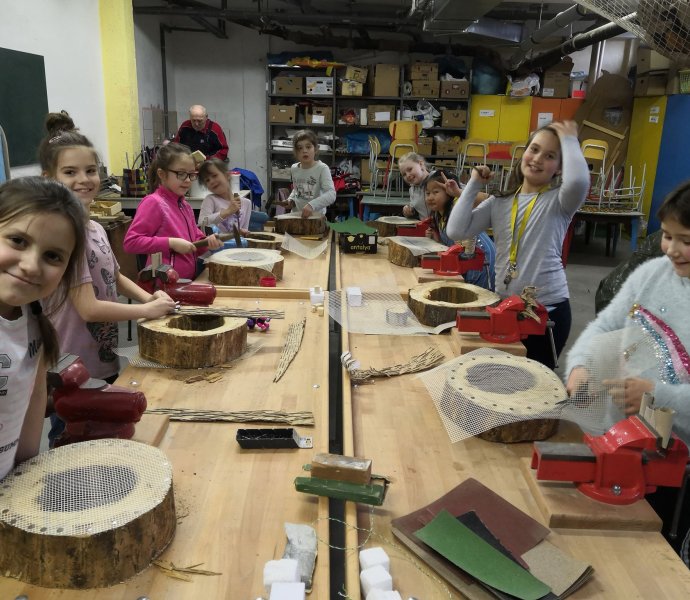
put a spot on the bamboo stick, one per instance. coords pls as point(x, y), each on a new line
point(245, 416)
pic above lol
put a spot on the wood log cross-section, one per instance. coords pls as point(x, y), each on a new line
point(439, 301)
point(244, 267)
point(294, 224)
point(401, 255)
point(86, 515)
point(266, 240)
point(192, 341)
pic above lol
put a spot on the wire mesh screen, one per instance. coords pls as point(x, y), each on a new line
point(418, 245)
point(488, 388)
point(308, 249)
point(663, 24)
point(85, 488)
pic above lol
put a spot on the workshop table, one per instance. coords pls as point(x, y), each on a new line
point(613, 221)
point(231, 503)
point(394, 422)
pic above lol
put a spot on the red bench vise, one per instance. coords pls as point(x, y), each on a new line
point(452, 261)
point(417, 230)
point(505, 323)
point(163, 277)
point(91, 408)
point(618, 467)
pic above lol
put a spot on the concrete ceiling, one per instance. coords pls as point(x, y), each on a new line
point(421, 26)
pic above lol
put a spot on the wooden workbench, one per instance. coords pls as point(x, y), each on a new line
point(394, 422)
point(232, 503)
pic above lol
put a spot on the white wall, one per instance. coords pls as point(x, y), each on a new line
point(67, 35)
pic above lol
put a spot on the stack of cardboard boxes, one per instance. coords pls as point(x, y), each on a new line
point(353, 80)
point(557, 80)
point(424, 77)
point(384, 82)
point(652, 73)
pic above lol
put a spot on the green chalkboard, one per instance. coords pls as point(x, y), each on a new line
point(23, 104)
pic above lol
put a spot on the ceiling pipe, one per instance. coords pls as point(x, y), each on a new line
point(577, 42)
point(562, 19)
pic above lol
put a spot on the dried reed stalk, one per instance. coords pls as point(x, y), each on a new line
point(245, 416)
point(291, 348)
point(427, 359)
point(222, 311)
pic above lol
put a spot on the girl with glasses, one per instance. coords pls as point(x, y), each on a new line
point(164, 221)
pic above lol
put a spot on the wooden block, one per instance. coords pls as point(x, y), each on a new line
point(467, 342)
point(427, 275)
point(564, 506)
point(342, 468)
point(151, 429)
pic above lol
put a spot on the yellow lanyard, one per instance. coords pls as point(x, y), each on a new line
point(515, 240)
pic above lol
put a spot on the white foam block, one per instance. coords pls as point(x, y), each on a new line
point(354, 296)
point(370, 557)
point(283, 570)
point(381, 595)
point(375, 578)
point(316, 295)
point(287, 591)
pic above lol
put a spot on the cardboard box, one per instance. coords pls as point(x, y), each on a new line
point(384, 80)
point(649, 60)
point(282, 113)
point(426, 89)
point(281, 173)
point(455, 89)
point(453, 118)
point(358, 243)
point(651, 84)
point(319, 86)
point(365, 172)
point(288, 85)
point(380, 115)
point(557, 79)
point(354, 73)
point(448, 148)
point(421, 71)
point(425, 146)
point(319, 115)
point(446, 164)
point(351, 88)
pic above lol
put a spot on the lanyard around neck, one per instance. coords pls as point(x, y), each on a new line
point(515, 240)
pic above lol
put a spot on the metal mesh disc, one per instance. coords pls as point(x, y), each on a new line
point(85, 488)
point(308, 249)
point(259, 258)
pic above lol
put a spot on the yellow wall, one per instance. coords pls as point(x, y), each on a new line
point(119, 82)
point(646, 126)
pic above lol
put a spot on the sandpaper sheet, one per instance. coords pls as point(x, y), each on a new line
point(515, 530)
point(561, 572)
point(457, 543)
point(472, 521)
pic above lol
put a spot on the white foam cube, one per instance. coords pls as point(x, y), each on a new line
point(375, 578)
point(381, 595)
point(283, 570)
point(370, 557)
point(316, 295)
point(354, 296)
point(287, 591)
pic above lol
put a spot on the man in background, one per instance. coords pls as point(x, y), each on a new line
point(200, 133)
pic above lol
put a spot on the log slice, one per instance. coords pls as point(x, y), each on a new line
point(265, 240)
point(294, 224)
point(401, 255)
point(439, 301)
point(191, 341)
point(90, 514)
point(488, 390)
point(244, 267)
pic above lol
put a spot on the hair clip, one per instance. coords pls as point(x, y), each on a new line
point(55, 138)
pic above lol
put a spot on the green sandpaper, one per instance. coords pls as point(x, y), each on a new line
point(351, 225)
point(469, 552)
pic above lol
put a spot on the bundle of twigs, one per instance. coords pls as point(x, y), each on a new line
point(223, 311)
point(243, 416)
point(427, 359)
point(291, 348)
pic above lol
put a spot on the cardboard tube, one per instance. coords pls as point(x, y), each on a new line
point(664, 423)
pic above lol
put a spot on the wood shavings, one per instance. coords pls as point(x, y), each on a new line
point(182, 573)
point(427, 359)
point(248, 416)
point(291, 348)
point(211, 377)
